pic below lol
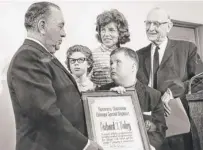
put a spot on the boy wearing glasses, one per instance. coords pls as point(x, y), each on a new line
point(79, 62)
point(167, 65)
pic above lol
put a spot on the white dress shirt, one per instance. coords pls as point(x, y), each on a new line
point(162, 48)
point(37, 41)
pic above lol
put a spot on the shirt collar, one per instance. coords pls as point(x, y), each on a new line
point(162, 45)
point(37, 41)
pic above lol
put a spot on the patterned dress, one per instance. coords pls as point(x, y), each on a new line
point(100, 74)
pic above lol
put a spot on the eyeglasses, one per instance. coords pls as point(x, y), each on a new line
point(79, 60)
point(155, 23)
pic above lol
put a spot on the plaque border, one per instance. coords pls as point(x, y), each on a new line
point(137, 110)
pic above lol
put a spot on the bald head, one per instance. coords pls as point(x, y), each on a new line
point(158, 25)
point(158, 14)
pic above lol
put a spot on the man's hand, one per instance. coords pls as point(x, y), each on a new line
point(94, 146)
point(150, 126)
point(118, 89)
point(165, 99)
point(152, 148)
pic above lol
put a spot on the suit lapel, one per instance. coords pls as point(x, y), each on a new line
point(168, 52)
point(147, 58)
point(140, 89)
point(56, 61)
point(52, 57)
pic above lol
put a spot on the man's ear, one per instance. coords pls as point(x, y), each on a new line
point(170, 25)
point(41, 26)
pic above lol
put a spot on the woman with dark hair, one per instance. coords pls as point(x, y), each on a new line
point(112, 30)
point(79, 62)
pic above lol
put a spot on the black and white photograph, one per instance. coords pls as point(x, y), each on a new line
point(101, 75)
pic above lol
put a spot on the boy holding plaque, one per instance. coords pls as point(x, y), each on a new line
point(124, 65)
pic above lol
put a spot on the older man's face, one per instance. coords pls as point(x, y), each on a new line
point(54, 30)
point(121, 67)
point(157, 26)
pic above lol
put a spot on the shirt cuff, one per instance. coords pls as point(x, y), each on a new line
point(88, 143)
point(170, 94)
point(167, 96)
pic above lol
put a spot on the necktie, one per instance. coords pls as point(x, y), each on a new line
point(155, 66)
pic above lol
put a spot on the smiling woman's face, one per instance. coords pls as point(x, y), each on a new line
point(109, 35)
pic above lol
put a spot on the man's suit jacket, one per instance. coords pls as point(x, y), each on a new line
point(48, 110)
point(150, 100)
point(177, 67)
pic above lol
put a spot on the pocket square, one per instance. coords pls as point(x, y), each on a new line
point(149, 113)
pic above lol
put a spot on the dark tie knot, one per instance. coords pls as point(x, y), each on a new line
point(157, 48)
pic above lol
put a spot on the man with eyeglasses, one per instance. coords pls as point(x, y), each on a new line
point(167, 65)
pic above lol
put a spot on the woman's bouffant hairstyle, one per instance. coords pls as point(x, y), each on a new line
point(84, 50)
point(122, 25)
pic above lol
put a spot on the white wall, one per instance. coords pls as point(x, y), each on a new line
point(80, 20)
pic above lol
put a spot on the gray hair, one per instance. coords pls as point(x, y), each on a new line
point(163, 11)
point(37, 11)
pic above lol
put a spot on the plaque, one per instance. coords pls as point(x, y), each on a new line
point(115, 121)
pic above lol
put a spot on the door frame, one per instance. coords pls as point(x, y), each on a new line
point(198, 30)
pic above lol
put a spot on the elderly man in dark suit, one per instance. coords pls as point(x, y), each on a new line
point(48, 110)
point(167, 65)
point(124, 66)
